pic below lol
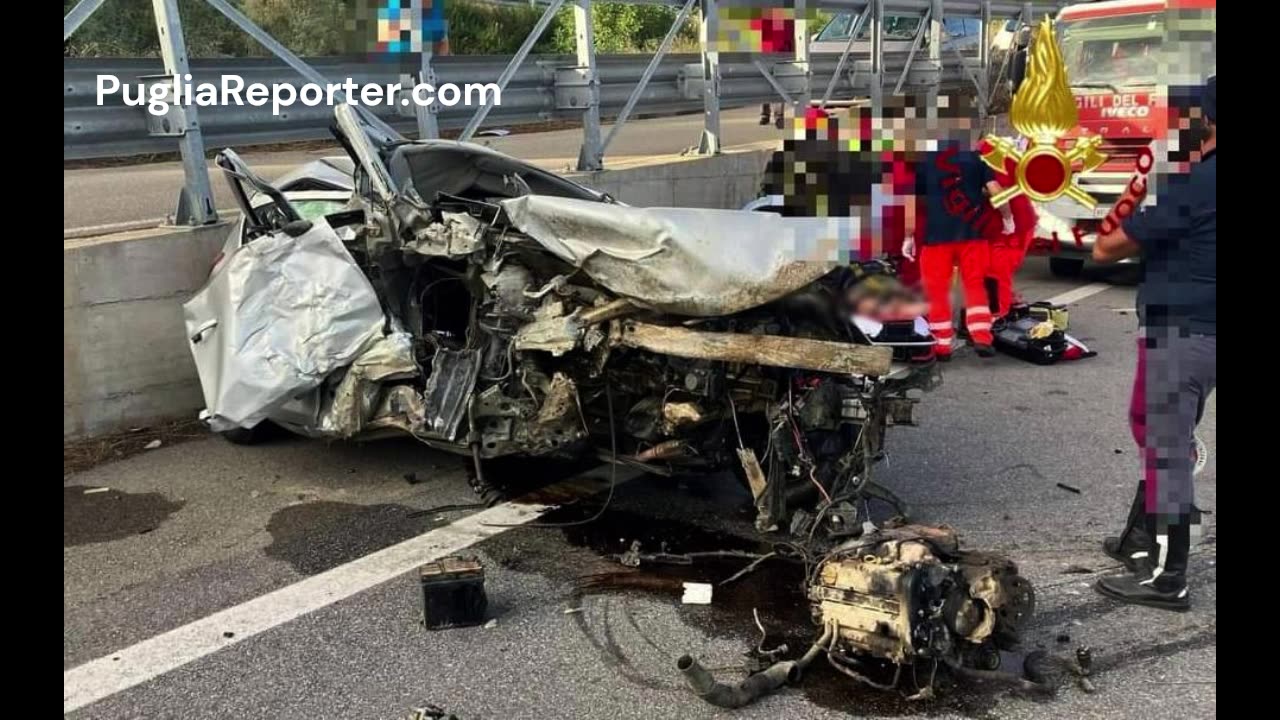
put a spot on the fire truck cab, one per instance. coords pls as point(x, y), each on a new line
point(1122, 57)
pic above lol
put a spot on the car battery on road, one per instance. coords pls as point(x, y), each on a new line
point(453, 593)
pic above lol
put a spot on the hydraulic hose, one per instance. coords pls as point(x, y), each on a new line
point(704, 685)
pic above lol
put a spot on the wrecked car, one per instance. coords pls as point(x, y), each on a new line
point(490, 308)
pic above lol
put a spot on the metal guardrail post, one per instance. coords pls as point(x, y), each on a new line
point(977, 85)
point(590, 154)
point(663, 49)
point(244, 23)
point(510, 70)
point(877, 56)
point(81, 12)
point(801, 42)
point(709, 144)
point(984, 58)
point(927, 27)
point(428, 123)
point(844, 54)
point(195, 201)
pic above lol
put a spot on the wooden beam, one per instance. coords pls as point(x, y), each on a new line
point(773, 350)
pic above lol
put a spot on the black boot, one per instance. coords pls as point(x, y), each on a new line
point(1131, 546)
point(1164, 586)
point(992, 286)
point(764, 114)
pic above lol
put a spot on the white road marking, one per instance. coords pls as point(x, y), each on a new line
point(1080, 293)
point(136, 664)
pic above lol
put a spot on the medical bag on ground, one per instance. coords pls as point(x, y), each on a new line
point(1037, 332)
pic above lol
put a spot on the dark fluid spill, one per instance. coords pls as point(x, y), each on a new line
point(522, 479)
point(110, 515)
point(775, 590)
point(317, 536)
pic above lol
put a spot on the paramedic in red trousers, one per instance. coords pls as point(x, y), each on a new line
point(1009, 248)
point(1177, 366)
point(953, 225)
point(777, 35)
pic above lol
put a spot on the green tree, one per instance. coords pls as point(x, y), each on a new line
point(127, 28)
point(311, 28)
point(477, 28)
point(624, 28)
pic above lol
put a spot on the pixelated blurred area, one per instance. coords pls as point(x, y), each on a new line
point(861, 163)
point(394, 30)
point(1185, 127)
point(757, 26)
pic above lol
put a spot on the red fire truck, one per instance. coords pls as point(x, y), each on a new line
point(1123, 57)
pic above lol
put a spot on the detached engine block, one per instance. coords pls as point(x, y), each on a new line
point(909, 594)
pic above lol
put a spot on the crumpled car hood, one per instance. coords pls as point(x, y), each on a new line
point(689, 261)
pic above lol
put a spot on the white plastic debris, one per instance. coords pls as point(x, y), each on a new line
point(491, 624)
point(91, 491)
point(696, 594)
point(153, 445)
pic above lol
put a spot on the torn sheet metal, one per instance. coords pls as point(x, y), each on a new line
point(689, 261)
point(561, 400)
point(448, 391)
point(355, 400)
point(552, 330)
point(275, 320)
point(456, 234)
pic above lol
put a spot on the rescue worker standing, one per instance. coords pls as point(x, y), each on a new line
point(777, 35)
point(953, 225)
point(1177, 369)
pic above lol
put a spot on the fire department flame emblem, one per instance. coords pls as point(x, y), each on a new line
point(1043, 110)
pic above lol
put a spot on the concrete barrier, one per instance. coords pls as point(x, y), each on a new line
point(125, 358)
point(729, 180)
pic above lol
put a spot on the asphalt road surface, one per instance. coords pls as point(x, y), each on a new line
point(214, 581)
point(109, 196)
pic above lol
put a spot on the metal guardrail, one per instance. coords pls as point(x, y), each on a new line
point(584, 87)
point(114, 129)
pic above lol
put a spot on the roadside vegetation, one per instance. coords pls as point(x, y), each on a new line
point(311, 28)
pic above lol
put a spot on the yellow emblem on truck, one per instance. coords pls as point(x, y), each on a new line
point(1044, 110)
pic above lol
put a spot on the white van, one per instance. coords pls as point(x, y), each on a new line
point(963, 34)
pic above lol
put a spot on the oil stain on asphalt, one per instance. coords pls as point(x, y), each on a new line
point(318, 536)
point(97, 515)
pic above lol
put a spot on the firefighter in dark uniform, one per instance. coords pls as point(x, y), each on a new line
point(1177, 368)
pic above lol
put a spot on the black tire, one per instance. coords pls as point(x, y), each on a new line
point(255, 435)
point(1066, 267)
